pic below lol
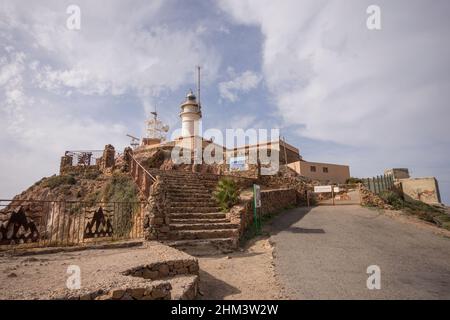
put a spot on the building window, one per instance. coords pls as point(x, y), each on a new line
point(313, 168)
point(325, 170)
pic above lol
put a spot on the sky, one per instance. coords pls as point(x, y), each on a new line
point(373, 99)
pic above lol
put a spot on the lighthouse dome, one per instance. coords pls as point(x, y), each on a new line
point(191, 96)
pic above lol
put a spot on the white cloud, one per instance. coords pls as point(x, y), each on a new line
point(241, 83)
point(340, 82)
point(384, 93)
point(120, 49)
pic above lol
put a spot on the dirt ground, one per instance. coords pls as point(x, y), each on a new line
point(247, 274)
point(44, 276)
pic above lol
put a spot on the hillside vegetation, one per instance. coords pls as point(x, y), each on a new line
point(85, 187)
point(419, 209)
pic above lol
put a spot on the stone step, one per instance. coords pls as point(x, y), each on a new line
point(193, 203)
point(185, 175)
point(187, 188)
point(188, 178)
point(202, 234)
point(189, 191)
point(193, 209)
point(185, 198)
point(205, 247)
point(196, 221)
point(202, 226)
point(187, 183)
point(189, 215)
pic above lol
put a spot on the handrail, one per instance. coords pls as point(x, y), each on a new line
point(142, 167)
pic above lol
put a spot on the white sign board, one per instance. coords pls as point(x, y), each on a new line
point(238, 163)
point(257, 195)
point(336, 190)
point(322, 189)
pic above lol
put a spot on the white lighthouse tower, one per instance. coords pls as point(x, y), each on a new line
point(191, 115)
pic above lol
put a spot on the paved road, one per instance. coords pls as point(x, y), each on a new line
point(324, 252)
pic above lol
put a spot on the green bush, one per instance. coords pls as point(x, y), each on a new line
point(353, 180)
point(393, 199)
point(442, 219)
point(92, 174)
point(120, 188)
point(226, 193)
point(417, 208)
point(446, 225)
point(56, 181)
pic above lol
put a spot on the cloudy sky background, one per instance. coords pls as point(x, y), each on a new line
point(338, 91)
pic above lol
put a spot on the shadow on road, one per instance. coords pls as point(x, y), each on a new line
point(286, 220)
point(304, 230)
point(213, 288)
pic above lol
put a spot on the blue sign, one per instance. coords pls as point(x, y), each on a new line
point(238, 163)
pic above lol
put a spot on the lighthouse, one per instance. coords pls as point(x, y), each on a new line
point(191, 116)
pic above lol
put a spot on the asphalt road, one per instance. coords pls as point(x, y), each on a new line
point(324, 252)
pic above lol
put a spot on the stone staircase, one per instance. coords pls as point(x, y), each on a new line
point(197, 225)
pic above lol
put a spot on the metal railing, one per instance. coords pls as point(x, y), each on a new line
point(59, 223)
point(84, 157)
point(141, 176)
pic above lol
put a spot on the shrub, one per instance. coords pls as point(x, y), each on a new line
point(442, 219)
point(92, 174)
point(446, 225)
point(226, 193)
point(156, 160)
point(56, 181)
point(120, 188)
point(353, 180)
point(393, 199)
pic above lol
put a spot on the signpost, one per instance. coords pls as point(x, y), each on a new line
point(256, 204)
point(322, 189)
point(327, 189)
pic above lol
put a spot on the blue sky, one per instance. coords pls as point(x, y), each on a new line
point(338, 91)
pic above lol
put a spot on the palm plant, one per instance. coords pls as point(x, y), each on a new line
point(226, 193)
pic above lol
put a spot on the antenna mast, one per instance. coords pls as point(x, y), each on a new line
point(155, 128)
point(198, 85)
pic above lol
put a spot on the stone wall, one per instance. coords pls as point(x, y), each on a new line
point(287, 179)
point(65, 164)
point(78, 170)
point(272, 202)
point(105, 163)
point(421, 189)
point(156, 219)
point(165, 269)
point(139, 291)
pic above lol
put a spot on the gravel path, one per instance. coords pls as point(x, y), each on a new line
point(240, 275)
point(324, 252)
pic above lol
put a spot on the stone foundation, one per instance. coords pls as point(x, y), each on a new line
point(154, 291)
point(164, 269)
